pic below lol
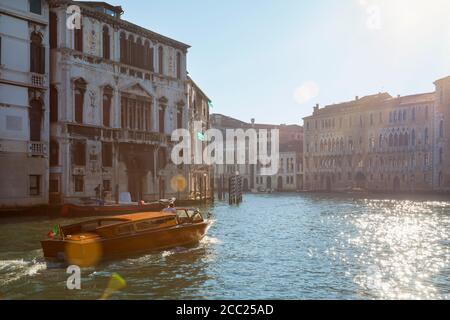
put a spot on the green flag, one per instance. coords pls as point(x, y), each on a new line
point(201, 136)
point(56, 230)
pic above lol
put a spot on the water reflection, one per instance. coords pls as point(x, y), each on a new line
point(270, 247)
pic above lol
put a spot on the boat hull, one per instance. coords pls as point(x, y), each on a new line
point(91, 252)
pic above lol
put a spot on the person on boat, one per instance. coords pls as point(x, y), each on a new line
point(170, 208)
point(98, 195)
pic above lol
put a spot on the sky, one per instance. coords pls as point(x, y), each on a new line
point(273, 60)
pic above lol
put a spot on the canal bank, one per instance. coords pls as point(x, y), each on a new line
point(278, 246)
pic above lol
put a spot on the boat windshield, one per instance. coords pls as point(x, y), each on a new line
point(188, 216)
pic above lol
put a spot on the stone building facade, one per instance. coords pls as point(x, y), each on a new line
point(24, 103)
point(378, 143)
point(199, 175)
point(117, 92)
point(289, 176)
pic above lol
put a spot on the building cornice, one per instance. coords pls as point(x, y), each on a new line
point(88, 11)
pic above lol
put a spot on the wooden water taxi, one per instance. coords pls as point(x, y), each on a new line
point(73, 210)
point(88, 243)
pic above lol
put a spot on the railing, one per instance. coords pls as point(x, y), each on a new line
point(117, 134)
point(37, 80)
point(37, 148)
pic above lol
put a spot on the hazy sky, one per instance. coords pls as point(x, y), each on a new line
point(274, 59)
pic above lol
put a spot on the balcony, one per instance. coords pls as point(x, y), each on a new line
point(37, 149)
point(117, 134)
point(38, 80)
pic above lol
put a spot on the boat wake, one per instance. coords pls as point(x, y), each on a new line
point(14, 270)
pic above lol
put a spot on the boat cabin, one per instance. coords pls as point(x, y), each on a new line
point(110, 227)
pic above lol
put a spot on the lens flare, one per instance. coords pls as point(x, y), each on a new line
point(178, 183)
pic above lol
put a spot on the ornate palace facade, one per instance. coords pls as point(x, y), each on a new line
point(380, 143)
point(117, 92)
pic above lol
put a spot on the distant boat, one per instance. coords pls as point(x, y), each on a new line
point(92, 241)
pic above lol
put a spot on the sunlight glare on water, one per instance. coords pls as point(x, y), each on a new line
point(271, 247)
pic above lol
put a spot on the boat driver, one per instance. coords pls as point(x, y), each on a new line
point(170, 208)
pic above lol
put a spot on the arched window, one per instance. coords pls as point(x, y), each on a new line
point(406, 141)
point(391, 140)
point(78, 37)
point(413, 137)
point(123, 48)
point(426, 136)
point(106, 43)
point(107, 101)
point(441, 178)
point(35, 115)
point(80, 89)
point(396, 140)
point(180, 118)
point(54, 153)
point(380, 141)
point(441, 129)
point(53, 28)
point(178, 65)
point(37, 54)
point(53, 104)
point(139, 53)
point(161, 60)
point(148, 56)
point(404, 115)
point(441, 155)
point(130, 49)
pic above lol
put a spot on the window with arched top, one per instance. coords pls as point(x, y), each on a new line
point(180, 118)
point(53, 104)
point(37, 54)
point(123, 48)
point(441, 129)
point(426, 138)
point(131, 50)
point(54, 153)
point(178, 65)
point(391, 140)
point(161, 60)
point(80, 89)
point(107, 102)
point(396, 140)
point(148, 56)
point(106, 42)
point(413, 137)
point(35, 115)
point(78, 37)
point(141, 54)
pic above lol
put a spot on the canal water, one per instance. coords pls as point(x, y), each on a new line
point(287, 246)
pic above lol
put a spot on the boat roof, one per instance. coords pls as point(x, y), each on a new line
point(144, 216)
